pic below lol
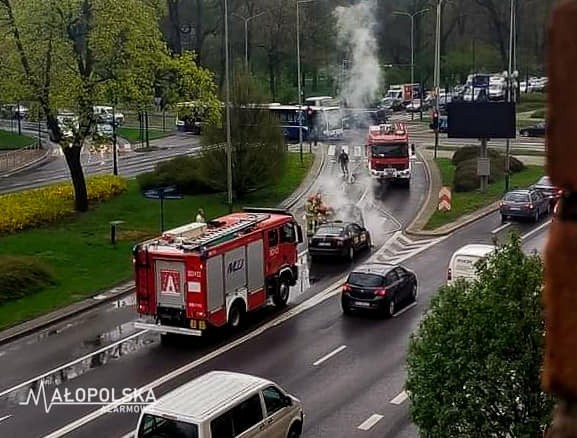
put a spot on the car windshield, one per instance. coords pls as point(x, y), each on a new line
point(330, 230)
point(545, 181)
point(392, 150)
point(365, 280)
point(517, 197)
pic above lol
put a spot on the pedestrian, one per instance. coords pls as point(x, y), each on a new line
point(344, 162)
point(200, 216)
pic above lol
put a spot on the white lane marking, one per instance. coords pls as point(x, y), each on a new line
point(69, 364)
point(405, 309)
point(332, 150)
point(328, 356)
point(5, 417)
point(370, 422)
point(334, 289)
point(536, 230)
point(128, 435)
point(400, 398)
point(501, 228)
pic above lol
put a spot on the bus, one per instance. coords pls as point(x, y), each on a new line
point(326, 122)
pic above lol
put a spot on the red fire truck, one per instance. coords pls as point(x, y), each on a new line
point(387, 152)
point(209, 275)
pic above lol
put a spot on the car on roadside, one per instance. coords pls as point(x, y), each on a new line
point(547, 189)
point(104, 130)
point(537, 130)
point(341, 239)
point(391, 104)
point(379, 287)
point(525, 204)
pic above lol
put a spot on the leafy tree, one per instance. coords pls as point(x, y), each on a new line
point(258, 150)
point(474, 364)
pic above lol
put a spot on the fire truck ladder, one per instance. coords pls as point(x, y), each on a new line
point(213, 236)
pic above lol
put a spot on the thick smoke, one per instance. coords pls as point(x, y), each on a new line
point(356, 36)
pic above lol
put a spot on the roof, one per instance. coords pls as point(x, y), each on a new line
point(388, 132)
point(475, 249)
point(374, 268)
point(203, 397)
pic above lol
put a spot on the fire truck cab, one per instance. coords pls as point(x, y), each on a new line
point(209, 275)
point(387, 152)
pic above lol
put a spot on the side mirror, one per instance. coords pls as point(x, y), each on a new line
point(288, 401)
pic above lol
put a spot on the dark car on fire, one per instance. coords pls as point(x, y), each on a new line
point(340, 239)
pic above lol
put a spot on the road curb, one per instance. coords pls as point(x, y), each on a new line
point(122, 289)
point(32, 164)
point(426, 205)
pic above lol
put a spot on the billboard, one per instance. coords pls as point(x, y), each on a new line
point(481, 120)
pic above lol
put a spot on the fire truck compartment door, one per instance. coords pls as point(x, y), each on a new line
point(170, 277)
point(255, 253)
point(235, 268)
point(214, 283)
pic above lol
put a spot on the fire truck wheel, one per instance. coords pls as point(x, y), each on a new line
point(236, 315)
point(281, 296)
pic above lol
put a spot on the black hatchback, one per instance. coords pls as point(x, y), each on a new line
point(379, 287)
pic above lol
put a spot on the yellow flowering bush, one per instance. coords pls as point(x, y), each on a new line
point(47, 205)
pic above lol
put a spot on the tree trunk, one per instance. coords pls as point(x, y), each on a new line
point(175, 40)
point(271, 77)
point(72, 155)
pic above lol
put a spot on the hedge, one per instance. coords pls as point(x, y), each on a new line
point(32, 208)
point(21, 276)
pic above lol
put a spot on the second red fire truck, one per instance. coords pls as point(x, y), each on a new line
point(388, 155)
point(209, 275)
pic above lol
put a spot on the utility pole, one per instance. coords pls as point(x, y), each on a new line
point(509, 92)
point(227, 92)
point(114, 141)
point(437, 75)
point(299, 86)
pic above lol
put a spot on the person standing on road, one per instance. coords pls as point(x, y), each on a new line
point(344, 162)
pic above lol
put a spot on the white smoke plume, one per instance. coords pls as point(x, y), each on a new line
point(356, 27)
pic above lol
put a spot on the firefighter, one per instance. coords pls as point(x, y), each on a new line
point(344, 162)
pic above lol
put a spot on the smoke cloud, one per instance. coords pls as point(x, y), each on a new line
point(356, 36)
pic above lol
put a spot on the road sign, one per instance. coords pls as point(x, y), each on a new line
point(445, 199)
point(162, 194)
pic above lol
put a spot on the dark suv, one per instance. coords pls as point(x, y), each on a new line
point(379, 287)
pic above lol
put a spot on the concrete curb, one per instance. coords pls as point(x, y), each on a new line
point(32, 164)
point(122, 289)
point(426, 205)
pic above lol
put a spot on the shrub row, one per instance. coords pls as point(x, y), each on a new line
point(182, 172)
point(47, 205)
point(465, 160)
point(21, 276)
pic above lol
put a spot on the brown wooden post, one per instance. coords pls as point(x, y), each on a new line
point(560, 293)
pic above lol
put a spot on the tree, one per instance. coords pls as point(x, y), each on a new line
point(76, 53)
point(474, 363)
point(258, 150)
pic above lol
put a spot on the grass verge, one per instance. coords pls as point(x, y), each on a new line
point(465, 203)
point(133, 134)
point(84, 261)
point(518, 152)
point(9, 140)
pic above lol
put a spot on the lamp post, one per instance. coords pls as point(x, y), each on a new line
point(511, 78)
point(437, 75)
point(246, 21)
point(114, 139)
point(227, 93)
point(298, 2)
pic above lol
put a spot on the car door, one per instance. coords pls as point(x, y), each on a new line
point(248, 418)
point(278, 412)
point(393, 285)
point(355, 231)
point(405, 284)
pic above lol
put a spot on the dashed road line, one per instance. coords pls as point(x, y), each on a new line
point(501, 228)
point(329, 355)
point(5, 417)
point(536, 230)
point(370, 422)
point(400, 398)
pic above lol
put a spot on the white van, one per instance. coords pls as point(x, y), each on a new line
point(462, 264)
point(223, 404)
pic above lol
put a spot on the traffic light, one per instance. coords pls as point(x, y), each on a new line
point(435, 120)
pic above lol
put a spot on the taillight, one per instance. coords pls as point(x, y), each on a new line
point(346, 288)
point(381, 292)
point(501, 204)
point(449, 274)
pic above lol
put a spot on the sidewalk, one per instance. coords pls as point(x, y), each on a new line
point(291, 203)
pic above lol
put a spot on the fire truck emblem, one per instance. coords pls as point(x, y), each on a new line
point(169, 282)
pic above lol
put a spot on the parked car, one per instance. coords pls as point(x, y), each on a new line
point(223, 404)
point(392, 104)
point(547, 189)
point(537, 130)
point(104, 130)
point(463, 261)
point(415, 106)
point(526, 203)
point(379, 287)
point(344, 239)
point(107, 114)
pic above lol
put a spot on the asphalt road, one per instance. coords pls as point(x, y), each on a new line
point(130, 164)
point(101, 341)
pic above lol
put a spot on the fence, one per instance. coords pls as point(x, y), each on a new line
point(11, 160)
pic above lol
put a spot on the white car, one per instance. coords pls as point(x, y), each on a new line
point(463, 261)
point(104, 130)
point(107, 115)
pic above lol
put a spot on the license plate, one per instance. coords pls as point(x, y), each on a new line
point(362, 304)
point(515, 208)
point(389, 171)
point(324, 244)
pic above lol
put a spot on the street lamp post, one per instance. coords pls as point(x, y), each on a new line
point(437, 75)
point(412, 18)
point(114, 140)
point(511, 78)
point(227, 93)
point(246, 21)
point(298, 2)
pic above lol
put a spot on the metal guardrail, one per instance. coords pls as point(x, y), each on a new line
point(10, 160)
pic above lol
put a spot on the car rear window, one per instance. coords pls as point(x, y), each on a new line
point(153, 426)
point(365, 280)
point(330, 230)
point(517, 197)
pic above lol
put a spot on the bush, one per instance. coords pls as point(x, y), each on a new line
point(21, 276)
point(182, 172)
point(47, 205)
point(465, 160)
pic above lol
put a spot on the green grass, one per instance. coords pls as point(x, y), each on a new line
point(9, 140)
point(523, 123)
point(85, 262)
point(518, 152)
point(465, 203)
point(133, 134)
